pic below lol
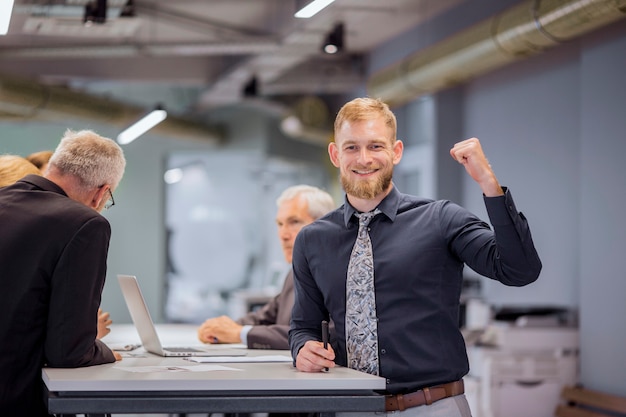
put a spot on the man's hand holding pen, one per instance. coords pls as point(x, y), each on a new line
point(313, 357)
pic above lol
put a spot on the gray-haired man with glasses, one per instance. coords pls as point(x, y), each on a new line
point(53, 252)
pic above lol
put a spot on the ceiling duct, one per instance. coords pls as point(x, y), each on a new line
point(519, 32)
point(26, 99)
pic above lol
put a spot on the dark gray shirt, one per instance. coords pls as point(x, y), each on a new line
point(420, 247)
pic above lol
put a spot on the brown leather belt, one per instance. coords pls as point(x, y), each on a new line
point(425, 396)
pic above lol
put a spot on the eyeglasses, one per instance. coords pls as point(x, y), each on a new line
point(110, 202)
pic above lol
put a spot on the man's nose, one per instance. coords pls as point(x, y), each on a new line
point(284, 232)
point(365, 156)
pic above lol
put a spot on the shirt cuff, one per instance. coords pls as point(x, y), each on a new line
point(244, 334)
point(501, 209)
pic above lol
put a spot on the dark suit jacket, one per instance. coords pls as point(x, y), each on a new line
point(271, 322)
point(53, 253)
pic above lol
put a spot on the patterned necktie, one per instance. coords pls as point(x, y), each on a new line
point(361, 321)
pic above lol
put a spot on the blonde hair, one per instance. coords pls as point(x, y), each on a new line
point(13, 168)
point(365, 108)
point(39, 159)
point(92, 159)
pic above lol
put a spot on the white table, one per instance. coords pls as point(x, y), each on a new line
point(240, 388)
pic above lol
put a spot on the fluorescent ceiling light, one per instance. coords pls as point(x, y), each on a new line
point(6, 8)
point(141, 126)
point(312, 8)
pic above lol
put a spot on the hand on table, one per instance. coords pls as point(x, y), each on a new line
point(221, 329)
point(104, 321)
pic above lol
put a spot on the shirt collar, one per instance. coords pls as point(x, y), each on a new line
point(389, 206)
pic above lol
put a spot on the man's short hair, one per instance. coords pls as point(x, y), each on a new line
point(89, 157)
point(319, 202)
point(365, 108)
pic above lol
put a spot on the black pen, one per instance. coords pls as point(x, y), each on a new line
point(325, 336)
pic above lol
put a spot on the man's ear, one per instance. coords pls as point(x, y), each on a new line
point(398, 149)
point(333, 152)
point(99, 196)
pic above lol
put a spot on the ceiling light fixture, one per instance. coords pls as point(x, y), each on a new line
point(334, 41)
point(251, 89)
point(141, 126)
point(95, 12)
point(312, 8)
point(6, 8)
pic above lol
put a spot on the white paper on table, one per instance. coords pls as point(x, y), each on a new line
point(190, 368)
point(261, 358)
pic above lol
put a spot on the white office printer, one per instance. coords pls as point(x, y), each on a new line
point(520, 361)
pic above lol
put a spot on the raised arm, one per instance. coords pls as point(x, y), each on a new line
point(469, 153)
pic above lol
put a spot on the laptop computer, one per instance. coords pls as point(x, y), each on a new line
point(147, 332)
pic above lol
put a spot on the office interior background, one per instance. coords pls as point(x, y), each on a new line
point(551, 123)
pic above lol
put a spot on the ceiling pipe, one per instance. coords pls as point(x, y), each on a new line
point(25, 99)
point(519, 32)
